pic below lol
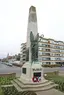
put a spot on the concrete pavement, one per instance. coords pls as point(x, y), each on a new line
point(50, 92)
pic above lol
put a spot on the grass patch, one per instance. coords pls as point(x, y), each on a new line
point(56, 79)
point(6, 79)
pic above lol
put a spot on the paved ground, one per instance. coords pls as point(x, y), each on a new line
point(61, 73)
point(50, 92)
point(4, 69)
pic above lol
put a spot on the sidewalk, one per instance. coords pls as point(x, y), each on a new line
point(50, 92)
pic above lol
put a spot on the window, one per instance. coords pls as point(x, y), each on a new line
point(44, 45)
point(24, 70)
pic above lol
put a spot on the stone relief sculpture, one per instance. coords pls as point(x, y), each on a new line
point(34, 47)
point(27, 55)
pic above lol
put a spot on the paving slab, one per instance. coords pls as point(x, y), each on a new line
point(7, 85)
point(50, 92)
point(61, 73)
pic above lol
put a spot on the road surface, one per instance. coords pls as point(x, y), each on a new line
point(7, 69)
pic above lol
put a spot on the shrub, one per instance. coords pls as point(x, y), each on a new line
point(55, 73)
point(1, 92)
point(12, 91)
point(51, 65)
point(28, 93)
point(57, 79)
point(6, 78)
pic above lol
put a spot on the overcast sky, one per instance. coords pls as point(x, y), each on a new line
point(14, 20)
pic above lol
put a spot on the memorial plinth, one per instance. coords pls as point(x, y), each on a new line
point(32, 72)
point(32, 79)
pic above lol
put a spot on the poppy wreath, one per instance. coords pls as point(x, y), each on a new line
point(35, 79)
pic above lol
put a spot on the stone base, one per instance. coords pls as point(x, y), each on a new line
point(24, 86)
point(29, 81)
point(31, 72)
point(32, 79)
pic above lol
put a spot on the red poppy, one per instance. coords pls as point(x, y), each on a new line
point(35, 79)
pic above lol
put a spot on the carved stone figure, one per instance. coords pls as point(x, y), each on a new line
point(34, 47)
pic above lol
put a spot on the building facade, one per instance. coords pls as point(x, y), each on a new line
point(23, 53)
point(50, 51)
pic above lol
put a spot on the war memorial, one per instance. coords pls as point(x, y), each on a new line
point(32, 72)
point(32, 77)
point(32, 80)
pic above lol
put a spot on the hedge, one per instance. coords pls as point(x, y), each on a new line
point(12, 91)
point(5, 79)
point(51, 65)
point(1, 92)
point(57, 79)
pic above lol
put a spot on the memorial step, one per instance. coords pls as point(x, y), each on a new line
point(30, 85)
point(22, 87)
point(16, 86)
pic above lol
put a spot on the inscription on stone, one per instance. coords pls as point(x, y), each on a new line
point(38, 69)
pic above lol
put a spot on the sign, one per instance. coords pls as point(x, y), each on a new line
point(37, 69)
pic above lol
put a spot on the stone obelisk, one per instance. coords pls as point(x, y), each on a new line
point(32, 27)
